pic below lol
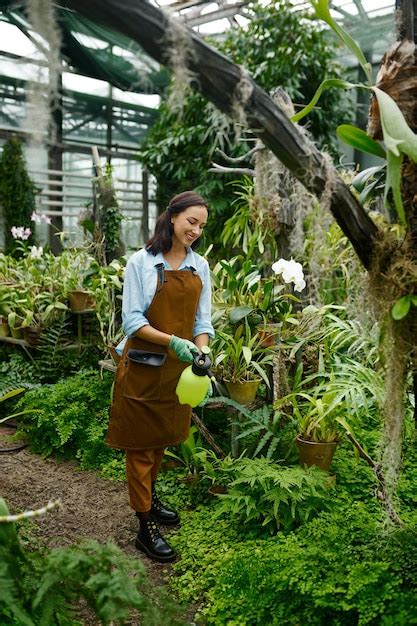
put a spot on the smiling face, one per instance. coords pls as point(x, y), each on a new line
point(188, 225)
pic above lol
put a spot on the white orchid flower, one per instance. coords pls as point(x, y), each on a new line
point(291, 272)
point(300, 285)
point(35, 252)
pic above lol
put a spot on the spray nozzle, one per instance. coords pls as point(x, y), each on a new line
point(202, 362)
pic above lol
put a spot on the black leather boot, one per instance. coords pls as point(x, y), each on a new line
point(150, 540)
point(162, 514)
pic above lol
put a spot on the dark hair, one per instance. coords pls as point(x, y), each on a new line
point(161, 240)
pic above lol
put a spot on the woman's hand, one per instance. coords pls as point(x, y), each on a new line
point(184, 349)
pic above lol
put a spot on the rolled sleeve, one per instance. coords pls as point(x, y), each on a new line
point(133, 307)
point(203, 316)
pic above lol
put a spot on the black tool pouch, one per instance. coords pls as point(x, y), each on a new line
point(146, 358)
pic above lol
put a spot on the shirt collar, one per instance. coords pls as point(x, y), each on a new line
point(189, 260)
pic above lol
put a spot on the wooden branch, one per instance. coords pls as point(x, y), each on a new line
point(362, 453)
point(382, 493)
point(219, 80)
point(207, 435)
point(244, 157)
point(221, 169)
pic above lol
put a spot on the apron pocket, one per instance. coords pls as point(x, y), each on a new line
point(155, 359)
point(141, 381)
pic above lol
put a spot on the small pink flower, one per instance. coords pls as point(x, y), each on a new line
point(38, 218)
point(20, 232)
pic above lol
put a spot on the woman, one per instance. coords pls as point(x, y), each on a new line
point(167, 311)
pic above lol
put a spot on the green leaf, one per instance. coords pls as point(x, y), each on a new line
point(239, 313)
point(401, 307)
point(361, 179)
point(358, 139)
point(326, 84)
point(321, 8)
point(247, 354)
point(398, 136)
point(393, 181)
point(11, 394)
point(367, 192)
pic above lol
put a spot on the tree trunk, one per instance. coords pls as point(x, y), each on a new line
point(220, 81)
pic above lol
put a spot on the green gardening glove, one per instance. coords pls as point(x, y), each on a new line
point(184, 349)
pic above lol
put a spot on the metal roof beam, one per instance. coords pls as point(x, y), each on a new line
point(219, 14)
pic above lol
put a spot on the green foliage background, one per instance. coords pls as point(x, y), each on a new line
point(17, 192)
point(279, 48)
point(71, 419)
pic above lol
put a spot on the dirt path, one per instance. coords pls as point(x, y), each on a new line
point(91, 506)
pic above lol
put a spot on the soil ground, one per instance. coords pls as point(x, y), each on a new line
point(92, 507)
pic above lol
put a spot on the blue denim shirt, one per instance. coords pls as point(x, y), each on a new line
point(139, 288)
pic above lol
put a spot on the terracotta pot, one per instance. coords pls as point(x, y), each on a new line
point(215, 490)
point(91, 303)
point(190, 479)
point(269, 334)
point(17, 332)
point(316, 453)
point(170, 464)
point(7, 430)
point(4, 327)
point(78, 299)
point(243, 392)
point(31, 334)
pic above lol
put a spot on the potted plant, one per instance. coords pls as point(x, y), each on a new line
point(187, 456)
point(241, 362)
point(15, 321)
point(6, 302)
point(74, 269)
point(105, 284)
point(265, 302)
point(38, 310)
point(320, 415)
point(4, 326)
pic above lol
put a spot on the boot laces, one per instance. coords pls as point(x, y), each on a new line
point(156, 502)
point(154, 530)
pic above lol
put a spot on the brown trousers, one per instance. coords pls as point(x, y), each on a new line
point(141, 470)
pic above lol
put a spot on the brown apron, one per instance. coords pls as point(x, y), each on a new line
point(145, 411)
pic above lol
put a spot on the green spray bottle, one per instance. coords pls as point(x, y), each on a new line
point(195, 380)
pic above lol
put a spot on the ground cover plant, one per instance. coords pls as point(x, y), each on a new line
point(45, 587)
point(265, 540)
point(70, 420)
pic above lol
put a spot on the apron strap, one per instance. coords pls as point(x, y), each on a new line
point(161, 276)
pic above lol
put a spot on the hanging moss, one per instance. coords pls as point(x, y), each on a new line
point(17, 193)
point(42, 97)
point(393, 275)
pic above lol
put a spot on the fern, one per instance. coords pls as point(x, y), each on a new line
point(264, 421)
point(267, 424)
point(51, 348)
point(18, 372)
point(279, 497)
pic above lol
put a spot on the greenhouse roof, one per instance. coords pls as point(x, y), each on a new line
point(100, 54)
point(95, 51)
point(207, 16)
